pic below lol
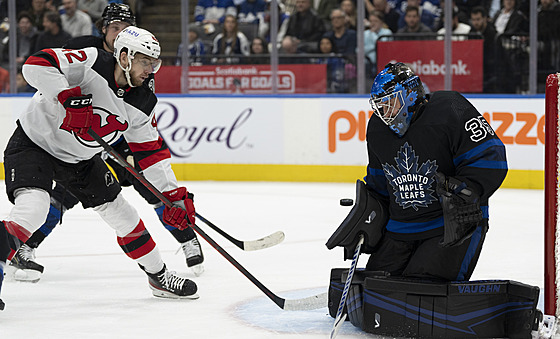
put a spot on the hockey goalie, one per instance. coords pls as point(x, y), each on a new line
point(422, 215)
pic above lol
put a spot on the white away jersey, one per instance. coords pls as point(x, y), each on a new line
point(116, 111)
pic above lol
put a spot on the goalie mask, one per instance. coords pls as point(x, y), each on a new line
point(396, 94)
point(134, 40)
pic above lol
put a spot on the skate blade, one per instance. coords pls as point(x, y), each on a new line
point(198, 269)
point(168, 295)
point(23, 275)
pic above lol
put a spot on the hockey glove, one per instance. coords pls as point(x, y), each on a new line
point(79, 112)
point(461, 210)
point(182, 214)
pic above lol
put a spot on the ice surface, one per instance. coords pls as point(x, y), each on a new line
point(90, 289)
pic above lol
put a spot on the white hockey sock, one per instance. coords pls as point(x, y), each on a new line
point(30, 209)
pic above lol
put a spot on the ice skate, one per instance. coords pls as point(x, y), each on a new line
point(546, 327)
point(193, 253)
point(166, 284)
point(23, 266)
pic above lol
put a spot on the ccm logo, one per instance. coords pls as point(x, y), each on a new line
point(81, 102)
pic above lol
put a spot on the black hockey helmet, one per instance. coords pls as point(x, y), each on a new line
point(396, 94)
point(118, 12)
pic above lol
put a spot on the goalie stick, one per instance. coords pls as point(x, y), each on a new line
point(339, 320)
point(309, 303)
point(247, 245)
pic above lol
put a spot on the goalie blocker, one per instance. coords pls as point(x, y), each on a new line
point(400, 307)
point(367, 217)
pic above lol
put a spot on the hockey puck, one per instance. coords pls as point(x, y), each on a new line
point(346, 202)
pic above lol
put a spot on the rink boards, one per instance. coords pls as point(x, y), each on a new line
point(304, 138)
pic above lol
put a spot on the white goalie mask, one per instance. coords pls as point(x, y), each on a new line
point(136, 40)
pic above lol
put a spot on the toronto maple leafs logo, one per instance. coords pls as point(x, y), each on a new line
point(411, 184)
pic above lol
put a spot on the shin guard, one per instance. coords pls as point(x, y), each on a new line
point(474, 309)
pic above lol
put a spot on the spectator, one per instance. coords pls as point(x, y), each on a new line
point(74, 21)
point(38, 9)
point(348, 7)
point(93, 8)
point(548, 29)
point(324, 9)
point(264, 25)
point(344, 38)
point(335, 66)
point(427, 17)
point(196, 49)
point(464, 17)
point(213, 11)
point(376, 29)
point(305, 26)
point(26, 39)
point(509, 20)
point(390, 14)
point(251, 11)
point(459, 31)
point(259, 52)
point(53, 36)
point(413, 24)
point(481, 25)
point(229, 42)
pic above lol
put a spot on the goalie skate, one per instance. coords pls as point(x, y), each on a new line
point(23, 266)
point(167, 284)
point(547, 328)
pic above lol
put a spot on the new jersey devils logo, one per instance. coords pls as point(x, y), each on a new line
point(105, 124)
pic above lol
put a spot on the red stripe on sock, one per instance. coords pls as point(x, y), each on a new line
point(136, 233)
point(17, 231)
point(142, 250)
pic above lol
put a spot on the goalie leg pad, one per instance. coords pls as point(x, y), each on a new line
point(367, 217)
point(476, 309)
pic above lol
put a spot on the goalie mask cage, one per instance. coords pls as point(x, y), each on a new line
point(552, 197)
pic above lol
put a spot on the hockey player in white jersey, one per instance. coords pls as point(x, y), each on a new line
point(79, 90)
point(23, 266)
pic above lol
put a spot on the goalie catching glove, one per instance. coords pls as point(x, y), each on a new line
point(182, 214)
point(461, 209)
point(79, 112)
point(368, 217)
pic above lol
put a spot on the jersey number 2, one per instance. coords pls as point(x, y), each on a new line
point(79, 55)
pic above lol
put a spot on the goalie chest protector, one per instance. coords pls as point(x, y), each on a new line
point(472, 309)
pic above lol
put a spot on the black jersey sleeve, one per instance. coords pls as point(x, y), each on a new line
point(83, 42)
point(479, 156)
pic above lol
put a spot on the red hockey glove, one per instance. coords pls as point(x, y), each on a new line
point(79, 113)
point(182, 214)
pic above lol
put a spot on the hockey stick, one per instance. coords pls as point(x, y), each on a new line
point(247, 245)
point(340, 318)
point(309, 303)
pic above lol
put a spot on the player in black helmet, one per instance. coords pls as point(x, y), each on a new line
point(23, 266)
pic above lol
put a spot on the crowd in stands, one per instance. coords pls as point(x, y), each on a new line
point(46, 24)
point(309, 26)
point(317, 31)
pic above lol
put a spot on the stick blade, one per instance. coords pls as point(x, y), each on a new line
point(265, 242)
point(306, 304)
point(337, 323)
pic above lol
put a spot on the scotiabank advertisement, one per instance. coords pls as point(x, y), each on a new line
point(426, 58)
point(244, 79)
